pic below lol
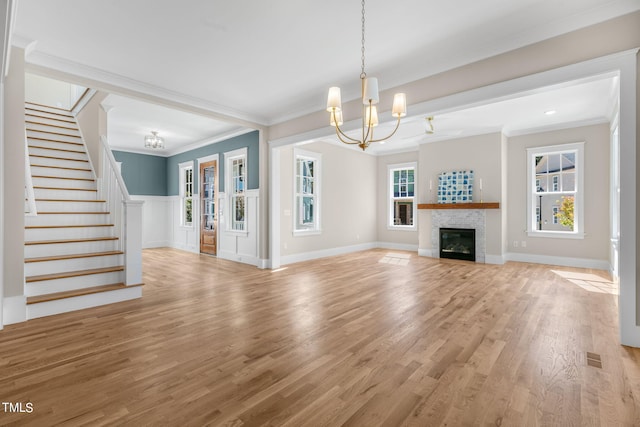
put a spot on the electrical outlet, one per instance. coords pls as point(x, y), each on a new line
point(523, 244)
point(515, 243)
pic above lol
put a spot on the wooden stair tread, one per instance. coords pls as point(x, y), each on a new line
point(78, 273)
point(40, 156)
point(78, 292)
point(55, 140)
point(35, 227)
point(49, 112)
point(49, 118)
point(71, 200)
point(31, 122)
point(73, 213)
point(62, 177)
point(63, 188)
point(72, 256)
point(48, 106)
point(61, 167)
point(53, 133)
point(83, 240)
point(56, 149)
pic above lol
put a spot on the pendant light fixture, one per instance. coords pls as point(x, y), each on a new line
point(153, 141)
point(370, 98)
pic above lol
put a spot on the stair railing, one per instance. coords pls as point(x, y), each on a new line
point(29, 195)
point(126, 213)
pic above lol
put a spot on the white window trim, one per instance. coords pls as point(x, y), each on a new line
point(389, 200)
point(579, 233)
point(229, 157)
point(181, 168)
point(317, 158)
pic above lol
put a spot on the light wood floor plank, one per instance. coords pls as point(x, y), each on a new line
point(338, 341)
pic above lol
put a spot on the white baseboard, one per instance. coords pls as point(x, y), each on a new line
point(156, 244)
point(426, 252)
point(14, 309)
point(397, 246)
point(494, 259)
point(308, 256)
point(185, 248)
point(245, 259)
point(596, 264)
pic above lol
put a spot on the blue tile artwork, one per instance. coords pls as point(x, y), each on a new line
point(455, 187)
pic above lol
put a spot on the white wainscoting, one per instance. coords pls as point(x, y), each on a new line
point(161, 228)
point(240, 246)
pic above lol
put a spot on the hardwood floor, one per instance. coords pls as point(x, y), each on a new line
point(347, 340)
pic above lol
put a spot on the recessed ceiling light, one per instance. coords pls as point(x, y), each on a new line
point(550, 112)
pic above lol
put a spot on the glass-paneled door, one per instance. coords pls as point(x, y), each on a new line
point(208, 199)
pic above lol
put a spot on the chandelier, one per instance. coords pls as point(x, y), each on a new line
point(153, 141)
point(370, 98)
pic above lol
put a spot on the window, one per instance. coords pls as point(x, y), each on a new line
point(402, 196)
point(555, 191)
point(236, 167)
point(306, 211)
point(186, 194)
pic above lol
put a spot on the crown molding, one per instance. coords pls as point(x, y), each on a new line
point(115, 83)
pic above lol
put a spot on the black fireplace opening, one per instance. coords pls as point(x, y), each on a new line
point(458, 243)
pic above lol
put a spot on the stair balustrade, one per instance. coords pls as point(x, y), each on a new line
point(29, 195)
point(125, 212)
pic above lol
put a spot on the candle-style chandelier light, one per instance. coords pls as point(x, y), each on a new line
point(370, 98)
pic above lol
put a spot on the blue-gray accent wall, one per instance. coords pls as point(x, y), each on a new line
point(148, 175)
point(143, 174)
point(249, 140)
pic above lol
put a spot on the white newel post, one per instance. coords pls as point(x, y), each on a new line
point(133, 241)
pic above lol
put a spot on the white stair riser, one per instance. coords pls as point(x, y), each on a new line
point(71, 283)
point(65, 173)
point(66, 305)
point(53, 135)
point(33, 251)
point(63, 183)
point(71, 153)
point(46, 108)
point(59, 127)
point(45, 206)
point(67, 219)
point(31, 234)
point(55, 144)
point(76, 264)
point(34, 116)
point(42, 193)
point(63, 163)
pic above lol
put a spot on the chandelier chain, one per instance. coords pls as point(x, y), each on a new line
point(363, 74)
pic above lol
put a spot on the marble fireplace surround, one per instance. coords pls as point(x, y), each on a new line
point(459, 218)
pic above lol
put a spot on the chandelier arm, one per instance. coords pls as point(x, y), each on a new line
point(390, 135)
point(349, 140)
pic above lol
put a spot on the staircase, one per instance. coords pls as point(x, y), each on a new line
point(73, 257)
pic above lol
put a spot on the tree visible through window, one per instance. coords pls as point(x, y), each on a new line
point(402, 198)
point(555, 177)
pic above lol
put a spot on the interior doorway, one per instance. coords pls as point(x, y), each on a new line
point(208, 199)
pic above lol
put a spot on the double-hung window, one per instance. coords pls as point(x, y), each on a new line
point(236, 176)
point(403, 188)
point(306, 217)
point(555, 193)
point(186, 194)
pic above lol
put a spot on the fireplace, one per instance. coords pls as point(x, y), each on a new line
point(458, 243)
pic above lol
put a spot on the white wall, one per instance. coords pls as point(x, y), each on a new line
point(594, 248)
point(55, 93)
point(348, 206)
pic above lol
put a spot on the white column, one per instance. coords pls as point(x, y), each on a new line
point(133, 241)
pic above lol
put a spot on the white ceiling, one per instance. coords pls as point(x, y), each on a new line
point(270, 61)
